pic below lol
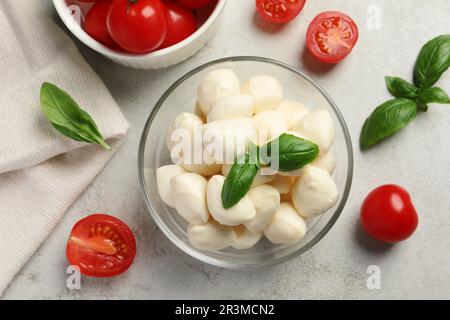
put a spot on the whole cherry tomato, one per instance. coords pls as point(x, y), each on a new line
point(331, 36)
point(279, 11)
point(182, 23)
point(95, 24)
point(388, 214)
point(101, 246)
point(138, 26)
point(195, 4)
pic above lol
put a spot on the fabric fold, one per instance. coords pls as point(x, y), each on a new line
point(42, 172)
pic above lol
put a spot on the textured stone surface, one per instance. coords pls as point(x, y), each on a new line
point(418, 158)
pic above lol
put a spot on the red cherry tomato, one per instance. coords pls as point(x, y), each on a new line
point(138, 26)
point(331, 36)
point(388, 214)
point(182, 23)
point(95, 24)
point(101, 246)
point(279, 11)
point(195, 4)
point(87, 1)
point(204, 13)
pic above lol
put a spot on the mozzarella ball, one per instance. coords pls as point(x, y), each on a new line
point(292, 112)
point(266, 200)
point(203, 169)
point(293, 173)
point(267, 92)
point(296, 134)
point(231, 107)
point(199, 112)
point(211, 236)
point(244, 238)
point(163, 176)
point(224, 140)
point(319, 128)
point(286, 197)
point(189, 193)
point(241, 212)
point(282, 183)
point(287, 227)
point(269, 125)
point(326, 162)
point(183, 127)
point(217, 84)
point(257, 181)
point(314, 193)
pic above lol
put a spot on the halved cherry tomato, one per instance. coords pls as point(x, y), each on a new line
point(279, 11)
point(388, 214)
point(138, 26)
point(331, 36)
point(182, 23)
point(95, 24)
point(101, 246)
point(195, 4)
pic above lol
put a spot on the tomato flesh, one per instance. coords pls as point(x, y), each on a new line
point(279, 11)
point(138, 26)
point(95, 24)
point(331, 36)
point(101, 246)
point(388, 214)
point(182, 23)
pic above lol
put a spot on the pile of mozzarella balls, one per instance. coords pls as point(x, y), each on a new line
point(277, 205)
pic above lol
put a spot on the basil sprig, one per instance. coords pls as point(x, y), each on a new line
point(293, 153)
point(67, 117)
point(393, 115)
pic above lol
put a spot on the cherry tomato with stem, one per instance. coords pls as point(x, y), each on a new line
point(101, 246)
point(331, 36)
point(138, 26)
point(279, 11)
point(182, 23)
point(95, 23)
point(195, 4)
point(388, 214)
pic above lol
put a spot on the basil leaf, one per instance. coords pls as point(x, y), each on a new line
point(433, 95)
point(386, 120)
point(433, 61)
point(239, 180)
point(293, 152)
point(67, 117)
point(400, 88)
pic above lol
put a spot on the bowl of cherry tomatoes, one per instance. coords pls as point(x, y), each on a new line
point(143, 34)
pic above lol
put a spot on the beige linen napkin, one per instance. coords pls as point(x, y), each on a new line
point(42, 172)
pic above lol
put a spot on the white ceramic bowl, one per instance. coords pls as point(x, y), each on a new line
point(72, 12)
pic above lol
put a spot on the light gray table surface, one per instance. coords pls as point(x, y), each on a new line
point(418, 159)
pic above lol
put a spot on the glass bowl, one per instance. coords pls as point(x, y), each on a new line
point(181, 97)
